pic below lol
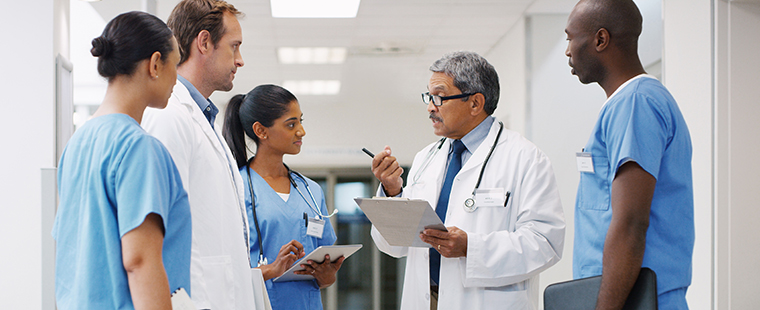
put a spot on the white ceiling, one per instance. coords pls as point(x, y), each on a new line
point(393, 39)
point(380, 91)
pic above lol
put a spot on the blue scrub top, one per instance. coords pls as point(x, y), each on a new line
point(280, 222)
point(111, 175)
point(641, 123)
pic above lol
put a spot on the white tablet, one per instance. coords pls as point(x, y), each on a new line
point(318, 255)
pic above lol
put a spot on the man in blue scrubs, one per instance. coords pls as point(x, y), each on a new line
point(634, 206)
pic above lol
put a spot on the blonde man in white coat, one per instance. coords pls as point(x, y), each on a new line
point(513, 229)
point(209, 36)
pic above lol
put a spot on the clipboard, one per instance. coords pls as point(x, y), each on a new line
point(581, 294)
point(318, 255)
point(181, 300)
point(400, 220)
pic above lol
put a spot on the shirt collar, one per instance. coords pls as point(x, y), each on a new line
point(207, 107)
point(475, 137)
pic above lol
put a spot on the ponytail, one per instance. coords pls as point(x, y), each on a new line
point(233, 131)
point(263, 104)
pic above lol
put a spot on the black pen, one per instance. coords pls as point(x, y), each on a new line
point(305, 219)
point(368, 152)
point(506, 199)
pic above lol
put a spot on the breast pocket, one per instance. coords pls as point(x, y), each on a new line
point(594, 189)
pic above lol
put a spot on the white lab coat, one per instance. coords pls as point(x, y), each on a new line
point(507, 247)
point(220, 269)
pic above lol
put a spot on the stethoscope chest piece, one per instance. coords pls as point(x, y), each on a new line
point(469, 205)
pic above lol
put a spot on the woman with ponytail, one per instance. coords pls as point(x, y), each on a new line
point(123, 226)
point(280, 201)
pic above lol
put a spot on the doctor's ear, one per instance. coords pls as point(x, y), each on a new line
point(477, 103)
point(260, 130)
point(203, 42)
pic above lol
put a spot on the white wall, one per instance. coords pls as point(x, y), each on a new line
point(508, 58)
point(28, 141)
point(687, 73)
point(736, 145)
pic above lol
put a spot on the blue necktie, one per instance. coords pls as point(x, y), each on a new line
point(443, 202)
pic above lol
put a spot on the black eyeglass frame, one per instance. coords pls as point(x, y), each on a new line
point(427, 98)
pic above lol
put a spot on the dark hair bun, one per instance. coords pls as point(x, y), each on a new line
point(128, 39)
point(101, 47)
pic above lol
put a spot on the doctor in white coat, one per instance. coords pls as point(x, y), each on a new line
point(220, 271)
point(504, 217)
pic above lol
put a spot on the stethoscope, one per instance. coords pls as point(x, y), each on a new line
point(469, 203)
point(262, 258)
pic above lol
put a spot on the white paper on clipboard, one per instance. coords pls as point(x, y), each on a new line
point(318, 255)
point(401, 220)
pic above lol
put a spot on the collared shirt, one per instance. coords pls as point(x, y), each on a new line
point(473, 139)
point(209, 109)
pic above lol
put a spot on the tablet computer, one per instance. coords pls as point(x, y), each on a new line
point(318, 255)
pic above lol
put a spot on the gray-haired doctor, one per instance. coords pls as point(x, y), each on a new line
point(494, 190)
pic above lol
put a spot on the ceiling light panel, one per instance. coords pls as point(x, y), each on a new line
point(314, 8)
point(311, 55)
point(312, 87)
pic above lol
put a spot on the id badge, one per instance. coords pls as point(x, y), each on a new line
point(489, 197)
point(315, 228)
point(585, 162)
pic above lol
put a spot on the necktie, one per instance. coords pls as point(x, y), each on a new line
point(443, 202)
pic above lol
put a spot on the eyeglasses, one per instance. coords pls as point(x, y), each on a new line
point(438, 100)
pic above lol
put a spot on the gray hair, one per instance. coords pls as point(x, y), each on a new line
point(472, 74)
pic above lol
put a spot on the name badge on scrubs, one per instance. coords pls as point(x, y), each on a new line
point(585, 162)
point(489, 197)
point(315, 227)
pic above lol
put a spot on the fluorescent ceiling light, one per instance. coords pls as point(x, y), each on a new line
point(313, 87)
point(314, 8)
point(311, 55)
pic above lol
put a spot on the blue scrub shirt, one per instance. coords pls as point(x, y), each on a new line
point(111, 175)
point(641, 123)
point(280, 222)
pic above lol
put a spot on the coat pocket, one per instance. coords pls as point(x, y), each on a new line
point(217, 271)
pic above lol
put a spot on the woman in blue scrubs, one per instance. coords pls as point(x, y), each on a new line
point(285, 201)
point(123, 227)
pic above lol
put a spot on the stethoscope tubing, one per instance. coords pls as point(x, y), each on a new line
point(262, 259)
point(428, 159)
point(434, 150)
point(490, 152)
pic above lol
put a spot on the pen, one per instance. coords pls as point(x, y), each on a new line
point(506, 199)
point(368, 152)
point(305, 219)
